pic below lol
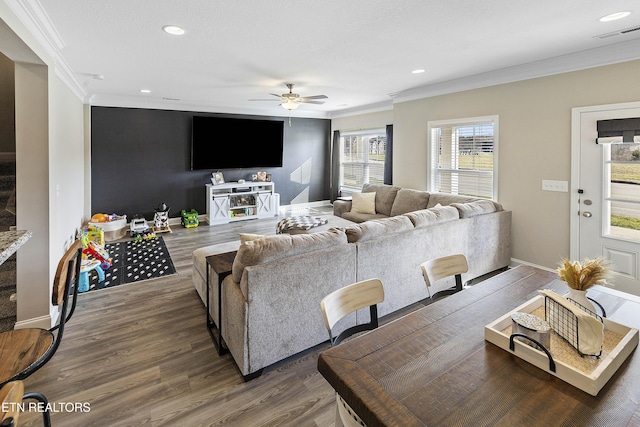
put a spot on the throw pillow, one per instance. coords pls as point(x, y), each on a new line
point(363, 203)
point(408, 200)
point(385, 195)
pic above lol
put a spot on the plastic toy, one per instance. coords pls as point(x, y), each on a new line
point(94, 257)
point(145, 236)
point(99, 253)
point(139, 226)
point(93, 234)
point(100, 217)
point(189, 219)
point(161, 219)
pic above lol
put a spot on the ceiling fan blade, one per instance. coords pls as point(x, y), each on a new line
point(315, 97)
point(275, 94)
point(310, 102)
point(270, 100)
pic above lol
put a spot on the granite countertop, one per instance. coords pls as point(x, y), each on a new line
point(10, 241)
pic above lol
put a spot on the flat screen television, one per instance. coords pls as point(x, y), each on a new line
point(235, 143)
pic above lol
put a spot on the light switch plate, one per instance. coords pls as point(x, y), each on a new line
point(561, 186)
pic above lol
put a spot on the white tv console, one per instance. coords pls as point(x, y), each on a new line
point(236, 202)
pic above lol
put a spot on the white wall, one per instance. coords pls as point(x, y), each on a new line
point(32, 194)
point(66, 170)
point(535, 144)
point(50, 168)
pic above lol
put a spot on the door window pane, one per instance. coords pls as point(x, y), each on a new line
point(622, 200)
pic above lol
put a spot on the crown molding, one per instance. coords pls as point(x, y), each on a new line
point(37, 22)
point(164, 104)
point(597, 57)
point(33, 16)
point(365, 109)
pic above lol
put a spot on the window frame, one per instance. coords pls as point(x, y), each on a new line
point(363, 132)
point(471, 121)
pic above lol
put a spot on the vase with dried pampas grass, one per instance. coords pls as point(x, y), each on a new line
point(580, 276)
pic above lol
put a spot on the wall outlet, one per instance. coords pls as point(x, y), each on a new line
point(548, 185)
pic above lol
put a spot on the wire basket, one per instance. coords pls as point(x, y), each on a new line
point(565, 323)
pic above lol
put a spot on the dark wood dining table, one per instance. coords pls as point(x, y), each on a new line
point(433, 366)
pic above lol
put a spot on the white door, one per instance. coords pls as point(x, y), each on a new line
point(608, 201)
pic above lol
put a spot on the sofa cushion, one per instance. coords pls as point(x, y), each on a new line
point(478, 207)
point(385, 195)
point(363, 203)
point(271, 248)
point(446, 199)
point(408, 200)
point(245, 237)
point(360, 217)
point(427, 217)
point(375, 228)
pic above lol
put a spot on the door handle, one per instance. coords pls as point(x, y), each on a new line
point(587, 214)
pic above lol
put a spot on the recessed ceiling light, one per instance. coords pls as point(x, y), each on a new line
point(174, 30)
point(418, 71)
point(145, 91)
point(615, 16)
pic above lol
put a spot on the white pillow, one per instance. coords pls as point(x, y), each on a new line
point(363, 203)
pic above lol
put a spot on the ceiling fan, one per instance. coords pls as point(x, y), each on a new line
point(291, 101)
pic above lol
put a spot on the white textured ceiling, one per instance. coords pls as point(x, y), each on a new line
point(359, 53)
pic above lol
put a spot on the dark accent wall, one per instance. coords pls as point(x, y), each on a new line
point(141, 158)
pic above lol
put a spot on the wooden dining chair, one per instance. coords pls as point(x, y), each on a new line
point(12, 396)
point(336, 306)
point(440, 268)
point(24, 351)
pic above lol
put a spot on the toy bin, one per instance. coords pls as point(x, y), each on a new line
point(114, 229)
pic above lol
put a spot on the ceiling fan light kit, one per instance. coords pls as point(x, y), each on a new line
point(290, 105)
point(291, 101)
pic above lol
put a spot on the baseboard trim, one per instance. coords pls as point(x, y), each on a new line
point(42, 322)
point(516, 262)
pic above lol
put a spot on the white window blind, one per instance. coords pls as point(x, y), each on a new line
point(362, 158)
point(464, 157)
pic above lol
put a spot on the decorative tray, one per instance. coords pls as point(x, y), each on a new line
point(589, 374)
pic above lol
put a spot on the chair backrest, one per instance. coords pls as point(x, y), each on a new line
point(10, 400)
point(66, 273)
point(439, 268)
point(65, 285)
point(340, 303)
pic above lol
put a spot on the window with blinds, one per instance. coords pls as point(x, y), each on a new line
point(362, 158)
point(464, 157)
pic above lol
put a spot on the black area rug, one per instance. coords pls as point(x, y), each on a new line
point(134, 261)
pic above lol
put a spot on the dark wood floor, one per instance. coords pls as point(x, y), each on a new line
point(140, 355)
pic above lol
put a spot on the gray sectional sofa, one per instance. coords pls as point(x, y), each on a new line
point(271, 301)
